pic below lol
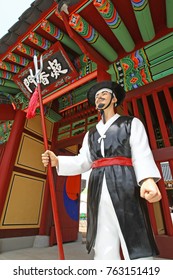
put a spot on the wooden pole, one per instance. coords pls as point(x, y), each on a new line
point(51, 183)
point(37, 76)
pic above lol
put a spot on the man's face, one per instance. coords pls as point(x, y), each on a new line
point(103, 97)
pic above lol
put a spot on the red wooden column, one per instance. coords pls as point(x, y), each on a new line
point(165, 205)
point(171, 166)
point(149, 123)
point(135, 108)
point(102, 75)
point(125, 108)
point(6, 112)
point(161, 120)
point(169, 101)
point(9, 155)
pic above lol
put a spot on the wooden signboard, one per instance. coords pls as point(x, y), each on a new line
point(57, 71)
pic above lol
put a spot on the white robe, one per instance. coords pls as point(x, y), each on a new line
point(109, 233)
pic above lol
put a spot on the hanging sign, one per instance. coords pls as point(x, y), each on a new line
point(57, 71)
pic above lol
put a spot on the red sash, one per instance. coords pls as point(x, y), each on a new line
point(111, 161)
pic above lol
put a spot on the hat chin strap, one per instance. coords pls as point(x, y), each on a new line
point(102, 110)
point(101, 105)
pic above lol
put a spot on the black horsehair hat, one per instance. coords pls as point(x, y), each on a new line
point(116, 89)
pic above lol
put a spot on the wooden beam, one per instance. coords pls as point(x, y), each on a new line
point(84, 46)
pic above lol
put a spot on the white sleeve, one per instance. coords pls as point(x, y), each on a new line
point(74, 165)
point(142, 157)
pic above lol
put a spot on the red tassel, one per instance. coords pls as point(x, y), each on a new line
point(32, 105)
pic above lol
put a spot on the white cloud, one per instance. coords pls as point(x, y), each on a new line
point(11, 10)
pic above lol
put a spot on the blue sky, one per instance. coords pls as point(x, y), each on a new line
point(11, 10)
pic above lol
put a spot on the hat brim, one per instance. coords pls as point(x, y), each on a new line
point(116, 89)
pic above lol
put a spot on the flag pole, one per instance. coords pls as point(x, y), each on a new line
point(49, 169)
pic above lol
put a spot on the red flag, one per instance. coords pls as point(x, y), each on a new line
point(32, 105)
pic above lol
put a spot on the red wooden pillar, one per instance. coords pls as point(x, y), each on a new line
point(135, 108)
point(169, 101)
point(165, 204)
point(102, 75)
point(7, 112)
point(9, 155)
point(149, 123)
point(161, 120)
point(171, 166)
point(125, 108)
